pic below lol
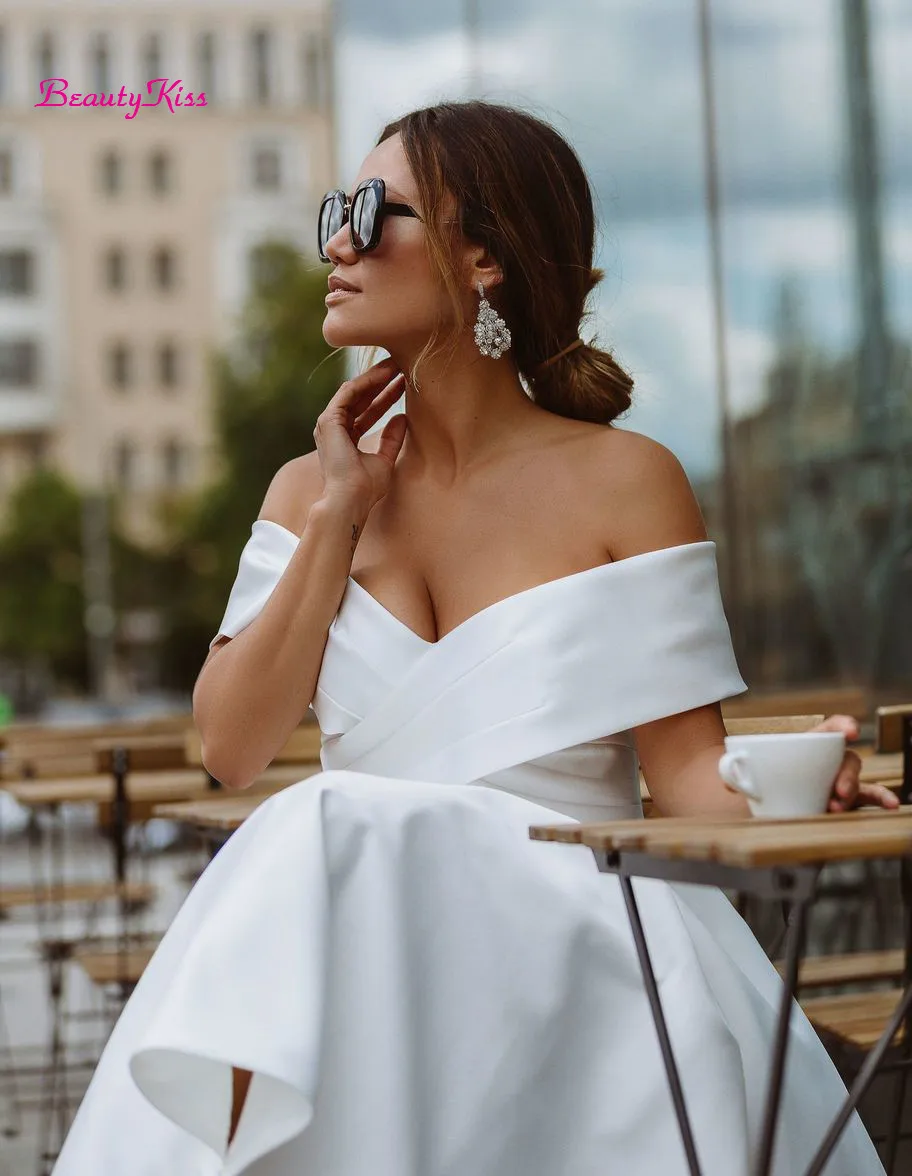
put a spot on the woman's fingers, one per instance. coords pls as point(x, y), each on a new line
point(875, 794)
point(849, 792)
point(843, 723)
point(357, 392)
point(386, 399)
point(335, 432)
point(848, 779)
point(391, 437)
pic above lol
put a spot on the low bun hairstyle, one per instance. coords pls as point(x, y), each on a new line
point(522, 193)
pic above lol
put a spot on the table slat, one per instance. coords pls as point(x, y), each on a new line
point(750, 842)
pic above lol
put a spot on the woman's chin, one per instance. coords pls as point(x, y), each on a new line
point(340, 335)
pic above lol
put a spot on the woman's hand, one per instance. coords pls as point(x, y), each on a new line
point(349, 474)
point(848, 790)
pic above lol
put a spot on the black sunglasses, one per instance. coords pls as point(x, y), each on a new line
point(364, 213)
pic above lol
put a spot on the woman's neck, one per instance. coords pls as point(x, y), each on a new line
point(464, 411)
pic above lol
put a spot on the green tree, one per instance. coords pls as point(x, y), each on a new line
point(269, 391)
point(41, 598)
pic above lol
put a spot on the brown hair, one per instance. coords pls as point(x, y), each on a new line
point(522, 192)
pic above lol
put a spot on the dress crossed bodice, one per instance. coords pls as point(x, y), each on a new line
point(534, 695)
point(369, 650)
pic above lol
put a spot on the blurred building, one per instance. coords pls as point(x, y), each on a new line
point(128, 236)
point(824, 521)
point(816, 529)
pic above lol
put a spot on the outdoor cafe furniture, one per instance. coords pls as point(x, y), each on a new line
point(776, 859)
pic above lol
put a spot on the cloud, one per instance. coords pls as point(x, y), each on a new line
point(629, 88)
point(393, 78)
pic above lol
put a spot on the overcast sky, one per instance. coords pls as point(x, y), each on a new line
point(620, 79)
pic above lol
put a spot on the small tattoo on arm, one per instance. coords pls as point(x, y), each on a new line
point(354, 536)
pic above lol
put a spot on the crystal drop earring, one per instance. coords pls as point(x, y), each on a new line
point(492, 336)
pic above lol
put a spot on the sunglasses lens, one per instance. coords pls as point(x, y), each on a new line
point(365, 206)
point(332, 217)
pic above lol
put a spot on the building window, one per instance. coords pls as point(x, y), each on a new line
point(261, 65)
point(316, 71)
point(6, 171)
point(100, 71)
point(44, 57)
point(115, 268)
point(124, 464)
point(152, 66)
point(160, 172)
point(173, 462)
point(164, 268)
point(18, 363)
point(111, 173)
point(36, 449)
point(267, 169)
point(3, 65)
point(167, 365)
point(205, 51)
point(120, 366)
point(17, 271)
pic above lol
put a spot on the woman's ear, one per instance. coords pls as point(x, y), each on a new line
point(483, 267)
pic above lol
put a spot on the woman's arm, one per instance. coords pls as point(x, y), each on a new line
point(255, 689)
point(680, 754)
point(680, 757)
point(653, 507)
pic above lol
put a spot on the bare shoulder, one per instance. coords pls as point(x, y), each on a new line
point(297, 485)
point(294, 489)
point(647, 498)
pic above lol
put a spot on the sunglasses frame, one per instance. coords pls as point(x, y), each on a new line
point(384, 208)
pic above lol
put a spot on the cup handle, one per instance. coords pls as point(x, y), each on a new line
point(733, 770)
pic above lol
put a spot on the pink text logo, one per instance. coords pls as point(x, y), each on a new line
point(160, 91)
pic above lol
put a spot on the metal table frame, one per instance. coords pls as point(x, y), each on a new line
point(798, 888)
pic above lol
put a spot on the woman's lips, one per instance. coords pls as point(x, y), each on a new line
point(339, 295)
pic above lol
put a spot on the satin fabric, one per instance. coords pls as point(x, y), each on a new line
point(418, 988)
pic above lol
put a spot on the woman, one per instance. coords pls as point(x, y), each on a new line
point(495, 607)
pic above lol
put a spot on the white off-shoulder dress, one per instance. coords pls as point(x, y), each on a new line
point(418, 988)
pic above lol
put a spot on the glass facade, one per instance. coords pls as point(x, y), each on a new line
point(780, 317)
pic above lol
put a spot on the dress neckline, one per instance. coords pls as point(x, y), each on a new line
point(505, 600)
point(495, 604)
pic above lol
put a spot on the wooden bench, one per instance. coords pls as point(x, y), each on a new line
point(856, 967)
point(48, 768)
point(33, 752)
point(90, 893)
point(853, 1018)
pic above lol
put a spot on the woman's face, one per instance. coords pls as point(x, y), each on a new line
point(397, 299)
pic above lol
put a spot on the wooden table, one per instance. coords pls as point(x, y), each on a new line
point(226, 813)
point(777, 859)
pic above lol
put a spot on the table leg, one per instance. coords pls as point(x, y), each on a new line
point(902, 1075)
point(796, 938)
point(905, 882)
point(658, 1016)
point(12, 1123)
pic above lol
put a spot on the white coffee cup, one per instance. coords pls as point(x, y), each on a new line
point(787, 775)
